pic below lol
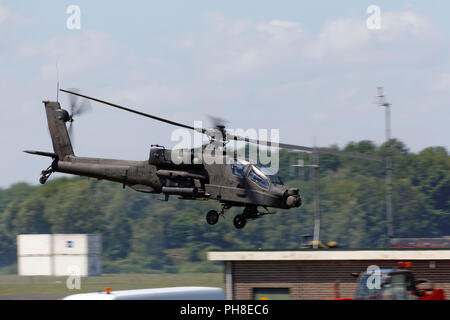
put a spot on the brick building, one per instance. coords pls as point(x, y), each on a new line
point(312, 273)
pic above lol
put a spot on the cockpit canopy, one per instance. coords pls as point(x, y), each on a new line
point(255, 172)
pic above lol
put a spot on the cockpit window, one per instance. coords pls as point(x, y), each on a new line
point(239, 167)
point(272, 176)
point(258, 177)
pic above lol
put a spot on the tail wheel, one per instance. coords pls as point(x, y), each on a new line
point(239, 221)
point(212, 217)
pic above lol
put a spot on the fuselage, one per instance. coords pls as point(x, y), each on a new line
point(189, 173)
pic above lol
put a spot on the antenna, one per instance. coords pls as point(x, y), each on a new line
point(315, 168)
point(57, 82)
point(382, 103)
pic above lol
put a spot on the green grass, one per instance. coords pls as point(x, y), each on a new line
point(45, 285)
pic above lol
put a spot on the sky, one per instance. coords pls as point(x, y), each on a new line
point(308, 68)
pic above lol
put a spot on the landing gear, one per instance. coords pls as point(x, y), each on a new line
point(239, 221)
point(212, 217)
point(43, 179)
point(45, 174)
point(250, 213)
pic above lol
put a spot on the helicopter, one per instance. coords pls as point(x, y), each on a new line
point(233, 182)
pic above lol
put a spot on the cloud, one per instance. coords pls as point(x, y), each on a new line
point(4, 14)
point(75, 54)
point(152, 95)
point(404, 37)
point(5, 17)
point(241, 48)
point(442, 83)
point(343, 39)
point(408, 25)
point(281, 31)
point(11, 21)
point(237, 48)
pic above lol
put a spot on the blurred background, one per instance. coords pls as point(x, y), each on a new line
point(308, 69)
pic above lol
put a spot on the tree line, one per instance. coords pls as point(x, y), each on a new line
point(142, 234)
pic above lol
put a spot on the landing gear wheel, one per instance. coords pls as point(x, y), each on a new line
point(239, 221)
point(43, 180)
point(212, 217)
point(45, 174)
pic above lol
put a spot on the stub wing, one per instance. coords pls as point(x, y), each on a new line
point(42, 153)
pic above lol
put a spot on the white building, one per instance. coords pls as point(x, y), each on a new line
point(59, 254)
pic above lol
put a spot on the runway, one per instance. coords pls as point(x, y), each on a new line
point(32, 297)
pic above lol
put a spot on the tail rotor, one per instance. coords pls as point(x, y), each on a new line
point(77, 107)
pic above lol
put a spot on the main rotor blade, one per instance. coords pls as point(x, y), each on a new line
point(233, 137)
point(132, 110)
point(309, 149)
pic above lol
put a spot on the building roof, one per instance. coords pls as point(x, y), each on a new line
point(331, 254)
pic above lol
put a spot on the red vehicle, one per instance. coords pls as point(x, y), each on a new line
point(394, 284)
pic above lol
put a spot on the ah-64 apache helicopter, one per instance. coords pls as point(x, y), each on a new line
point(233, 182)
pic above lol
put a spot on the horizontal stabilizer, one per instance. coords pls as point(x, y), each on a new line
point(42, 153)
